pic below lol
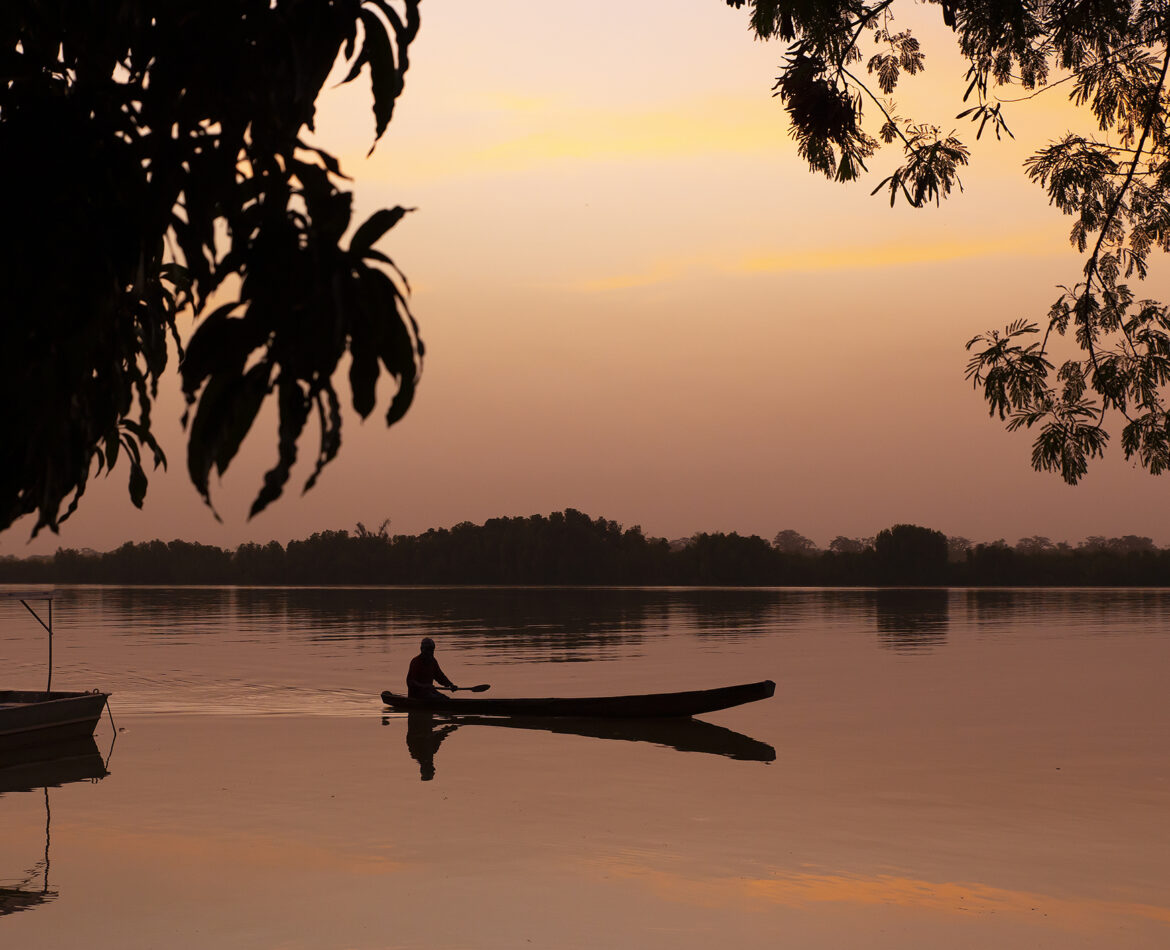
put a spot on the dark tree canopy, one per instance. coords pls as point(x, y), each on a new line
point(790, 541)
point(154, 158)
point(910, 554)
point(570, 548)
point(1100, 353)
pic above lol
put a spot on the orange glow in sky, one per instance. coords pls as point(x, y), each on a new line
point(638, 302)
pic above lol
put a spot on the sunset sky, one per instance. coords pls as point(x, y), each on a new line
point(638, 302)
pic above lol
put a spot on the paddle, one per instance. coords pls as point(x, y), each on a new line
point(481, 688)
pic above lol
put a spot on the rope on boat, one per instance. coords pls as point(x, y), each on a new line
point(113, 738)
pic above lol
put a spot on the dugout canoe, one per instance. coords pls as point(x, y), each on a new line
point(650, 705)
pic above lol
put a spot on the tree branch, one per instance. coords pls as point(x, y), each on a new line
point(1092, 268)
point(862, 22)
point(864, 88)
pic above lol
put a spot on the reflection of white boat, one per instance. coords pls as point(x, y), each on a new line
point(43, 767)
point(22, 770)
point(24, 897)
point(46, 717)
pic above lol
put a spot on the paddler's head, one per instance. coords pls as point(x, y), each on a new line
point(427, 645)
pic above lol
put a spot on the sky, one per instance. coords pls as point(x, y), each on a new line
point(638, 302)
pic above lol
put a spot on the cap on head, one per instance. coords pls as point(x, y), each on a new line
point(427, 645)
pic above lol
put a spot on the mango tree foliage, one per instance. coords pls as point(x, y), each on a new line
point(844, 61)
point(154, 157)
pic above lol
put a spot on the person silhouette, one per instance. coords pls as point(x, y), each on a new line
point(423, 671)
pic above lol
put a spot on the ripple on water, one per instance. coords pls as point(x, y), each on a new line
point(153, 697)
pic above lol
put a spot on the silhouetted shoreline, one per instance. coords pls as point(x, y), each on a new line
point(571, 549)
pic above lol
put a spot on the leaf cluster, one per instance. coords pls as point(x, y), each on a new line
point(154, 159)
point(1111, 177)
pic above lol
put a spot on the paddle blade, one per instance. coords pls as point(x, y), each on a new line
point(481, 688)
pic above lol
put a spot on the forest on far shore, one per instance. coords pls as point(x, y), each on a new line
point(571, 548)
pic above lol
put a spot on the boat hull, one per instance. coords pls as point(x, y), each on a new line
point(651, 705)
point(34, 718)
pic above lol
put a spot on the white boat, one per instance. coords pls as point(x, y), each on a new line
point(35, 718)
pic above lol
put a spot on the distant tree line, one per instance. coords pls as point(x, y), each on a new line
point(571, 548)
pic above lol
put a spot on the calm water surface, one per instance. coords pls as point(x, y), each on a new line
point(937, 769)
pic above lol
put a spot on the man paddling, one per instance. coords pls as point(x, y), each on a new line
point(424, 670)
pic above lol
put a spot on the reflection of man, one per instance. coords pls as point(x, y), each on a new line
point(423, 739)
point(424, 670)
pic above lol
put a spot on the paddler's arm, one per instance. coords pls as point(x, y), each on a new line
point(442, 677)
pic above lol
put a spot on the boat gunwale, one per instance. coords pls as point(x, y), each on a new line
point(644, 705)
point(52, 696)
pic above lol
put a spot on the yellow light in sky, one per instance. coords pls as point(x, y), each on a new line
point(845, 257)
point(515, 133)
point(1035, 243)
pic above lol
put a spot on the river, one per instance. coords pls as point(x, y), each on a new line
point(938, 768)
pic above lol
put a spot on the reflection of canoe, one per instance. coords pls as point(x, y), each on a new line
point(22, 770)
point(33, 717)
point(685, 735)
point(617, 707)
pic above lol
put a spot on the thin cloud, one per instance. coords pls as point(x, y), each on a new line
point(838, 258)
point(504, 134)
point(893, 255)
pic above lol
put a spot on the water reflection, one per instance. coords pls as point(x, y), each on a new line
point(1093, 610)
point(911, 621)
point(28, 770)
point(578, 624)
point(517, 625)
point(425, 732)
point(561, 624)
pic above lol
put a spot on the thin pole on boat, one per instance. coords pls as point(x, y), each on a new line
point(49, 627)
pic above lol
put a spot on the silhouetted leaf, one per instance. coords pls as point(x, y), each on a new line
point(205, 427)
point(372, 229)
point(329, 209)
point(294, 411)
point(384, 73)
point(137, 484)
point(330, 423)
point(363, 376)
point(219, 338)
point(239, 415)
